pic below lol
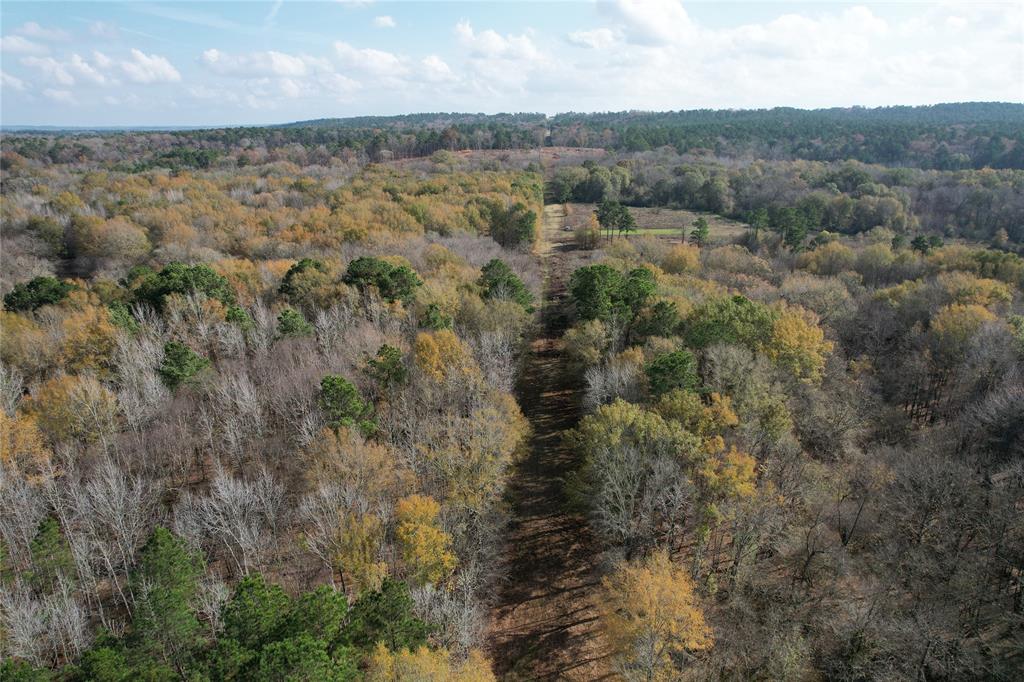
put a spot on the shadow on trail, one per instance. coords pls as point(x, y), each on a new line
point(544, 623)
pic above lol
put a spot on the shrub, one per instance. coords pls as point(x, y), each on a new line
point(675, 370)
point(36, 293)
point(499, 282)
point(180, 364)
point(178, 278)
point(290, 322)
point(395, 283)
point(343, 406)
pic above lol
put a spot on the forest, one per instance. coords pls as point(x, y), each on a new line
point(273, 399)
point(950, 137)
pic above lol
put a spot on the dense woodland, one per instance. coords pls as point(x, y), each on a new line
point(259, 395)
point(943, 137)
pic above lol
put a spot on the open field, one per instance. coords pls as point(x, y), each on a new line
point(666, 222)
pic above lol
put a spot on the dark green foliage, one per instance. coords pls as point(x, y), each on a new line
point(792, 223)
point(229, 660)
point(256, 613)
point(303, 658)
point(614, 216)
point(36, 293)
point(499, 282)
point(180, 364)
point(433, 318)
point(269, 636)
point(513, 226)
point(183, 157)
point(729, 320)
point(395, 283)
point(290, 322)
point(165, 582)
point(16, 670)
point(343, 406)
point(51, 557)
point(700, 232)
point(121, 317)
point(386, 616)
point(925, 243)
point(758, 220)
point(296, 282)
point(669, 371)
point(178, 278)
point(660, 319)
point(106, 661)
point(603, 293)
point(322, 613)
point(387, 368)
point(595, 290)
point(238, 315)
point(402, 284)
point(640, 284)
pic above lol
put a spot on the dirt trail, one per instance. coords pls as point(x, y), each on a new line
point(544, 624)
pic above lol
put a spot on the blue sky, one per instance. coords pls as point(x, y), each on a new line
point(199, 63)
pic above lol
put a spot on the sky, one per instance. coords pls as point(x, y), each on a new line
point(231, 63)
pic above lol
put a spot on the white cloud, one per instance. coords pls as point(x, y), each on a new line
point(75, 70)
point(144, 68)
point(823, 57)
point(290, 88)
point(646, 54)
point(499, 65)
point(384, 22)
point(258, 64)
point(491, 44)
point(34, 30)
point(59, 96)
point(19, 45)
point(338, 85)
point(102, 61)
point(50, 68)
point(369, 60)
point(597, 39)
point(436, 70)
point(655, 22)
point(12, 82)
point(83, 69)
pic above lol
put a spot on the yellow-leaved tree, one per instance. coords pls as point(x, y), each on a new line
point(696, 416)
point(425, 665)
point(21, 446)
point(357, 555)
point(798, 344)
point(89, 340)
point(70, 407)
point(441, 355)
point(955, 324)
point(650, 614)
point(731, 477)
point(426, 547)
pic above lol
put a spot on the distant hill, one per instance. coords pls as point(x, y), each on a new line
point(949, 114)
point(425, 120)
point(941, 136)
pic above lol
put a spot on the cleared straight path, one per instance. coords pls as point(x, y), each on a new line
point(543, 626)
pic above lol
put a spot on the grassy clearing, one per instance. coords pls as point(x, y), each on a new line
point(666, 222)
